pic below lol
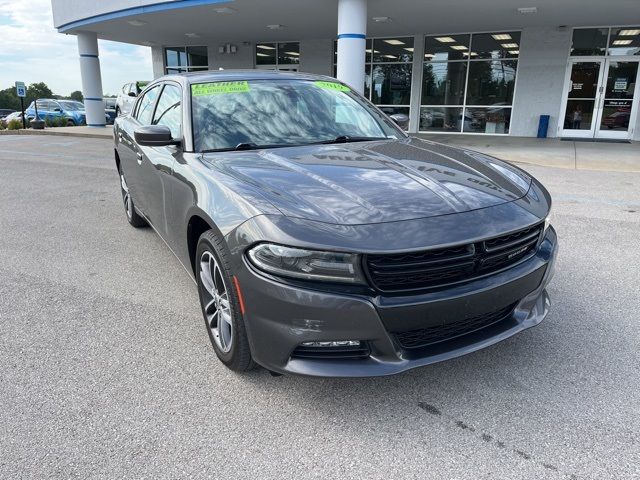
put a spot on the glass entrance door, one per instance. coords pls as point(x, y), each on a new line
point(619, 101)
point(581, 106)
point(601, 99)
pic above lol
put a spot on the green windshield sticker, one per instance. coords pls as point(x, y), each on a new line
point(332, 86)
point(201, 89)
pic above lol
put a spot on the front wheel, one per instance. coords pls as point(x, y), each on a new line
point(220, 304)
point(133, 218)
point(71, 123)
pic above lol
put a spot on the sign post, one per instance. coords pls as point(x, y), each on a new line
point(21, 91)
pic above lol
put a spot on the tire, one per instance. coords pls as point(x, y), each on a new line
point(221, 312)
point(133, 218)
point(71, 123)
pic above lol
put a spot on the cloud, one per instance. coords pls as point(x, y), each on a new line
point(31, 50)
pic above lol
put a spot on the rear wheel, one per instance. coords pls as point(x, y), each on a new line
point(221, 307)
point(71, 123)
point(133, 218)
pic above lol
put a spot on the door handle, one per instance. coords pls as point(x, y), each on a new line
point(139, 155)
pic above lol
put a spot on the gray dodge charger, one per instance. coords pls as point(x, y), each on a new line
point(322, 239)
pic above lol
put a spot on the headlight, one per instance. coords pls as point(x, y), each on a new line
point(307, 264)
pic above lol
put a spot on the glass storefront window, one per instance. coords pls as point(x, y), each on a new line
point(495, 45)
point(278, 56)
point(175, 57)
point(436, 119)
point(391, 84)
point(198, 56)
point(589, 41)
point(266, 54)
point(388, 71)
point(443, 83)
point(491, 82)
point(486, 120)
point(446, 47)
point(624, 41)
point(288, 53)
point(185, 59)
point(393, 50)
point(476, 74)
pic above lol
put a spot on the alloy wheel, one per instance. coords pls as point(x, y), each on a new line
point(126, 197)
point(215, 300)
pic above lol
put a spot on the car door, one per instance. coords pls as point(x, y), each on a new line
point(44, 109)
point(130, 153)
point(157, 162)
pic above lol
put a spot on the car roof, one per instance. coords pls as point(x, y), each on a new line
point(238, 75)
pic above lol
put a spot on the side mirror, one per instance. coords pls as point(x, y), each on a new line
point(400, 119)
point(154, 136)
point(132, 94)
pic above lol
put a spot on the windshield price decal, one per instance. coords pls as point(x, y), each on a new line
point(200, 89)
point(332, 86)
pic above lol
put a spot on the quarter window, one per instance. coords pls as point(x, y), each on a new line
point(169, 110)
point(145, 106)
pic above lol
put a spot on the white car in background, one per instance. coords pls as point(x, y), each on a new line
point(127, 97)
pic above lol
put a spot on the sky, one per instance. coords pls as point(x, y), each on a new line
point(31, 50)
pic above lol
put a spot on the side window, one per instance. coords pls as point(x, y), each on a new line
point(145, 106)
point(169, 110)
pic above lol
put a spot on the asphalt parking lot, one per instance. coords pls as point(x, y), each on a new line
point(106, 370)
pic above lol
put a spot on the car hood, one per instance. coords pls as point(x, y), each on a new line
point(373, 182)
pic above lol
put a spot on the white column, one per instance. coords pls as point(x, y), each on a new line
point(352, 32)
point(91, 78)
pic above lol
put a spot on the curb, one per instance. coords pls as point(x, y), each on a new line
point(60, 134)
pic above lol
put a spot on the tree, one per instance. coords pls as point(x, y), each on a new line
point(77, 96)
point(38, 90)
point(9, 99)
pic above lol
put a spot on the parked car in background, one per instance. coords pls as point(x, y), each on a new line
point(12, 116)
point(110, 109)
point(127, 96)
point(5, 111)
point(70, 110)
point(324, 240)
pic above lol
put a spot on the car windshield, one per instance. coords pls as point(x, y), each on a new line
point(72, 106)
point(268, 113)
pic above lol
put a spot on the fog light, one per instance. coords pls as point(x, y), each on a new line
point(342, 343)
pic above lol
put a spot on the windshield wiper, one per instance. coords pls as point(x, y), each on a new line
point(348, 138)
point(240, 146)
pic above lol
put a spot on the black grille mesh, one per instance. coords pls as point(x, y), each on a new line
point(427, 336)
point(434, 268)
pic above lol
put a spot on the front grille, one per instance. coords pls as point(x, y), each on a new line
point(332, 353)
point(434, 268)
point(427, 336)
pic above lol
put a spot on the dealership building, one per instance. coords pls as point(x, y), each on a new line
point(480, 67)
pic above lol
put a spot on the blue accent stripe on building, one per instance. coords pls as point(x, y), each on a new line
point(88, 55)
point(352, 35)
point(96, 124)
point(93, 98)
point(127, 12)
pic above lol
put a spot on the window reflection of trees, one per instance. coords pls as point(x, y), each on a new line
point(280, 114)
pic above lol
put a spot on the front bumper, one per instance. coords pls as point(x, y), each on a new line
point(279, 317)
